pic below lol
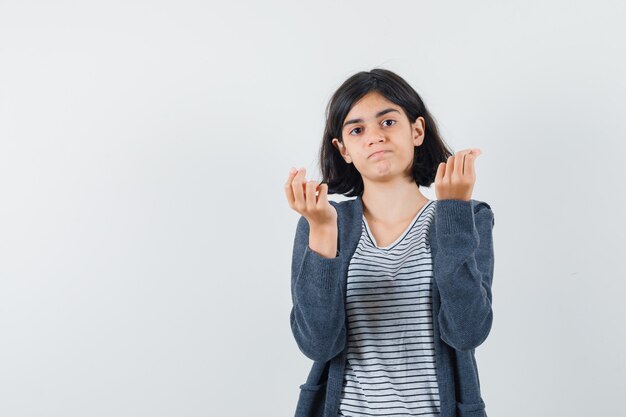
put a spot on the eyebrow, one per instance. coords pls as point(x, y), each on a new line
point(380, 113)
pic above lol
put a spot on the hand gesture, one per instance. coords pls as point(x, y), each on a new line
point(301, 195)
point(455, 179)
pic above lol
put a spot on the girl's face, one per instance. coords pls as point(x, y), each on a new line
point(379, 139)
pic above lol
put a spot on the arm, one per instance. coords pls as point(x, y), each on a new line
point(318, 313)
point(464, 275)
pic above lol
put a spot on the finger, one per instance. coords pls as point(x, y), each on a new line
point(288, 188)
point(297, 187)
point(311, 187)
point(460, 166)
point(449, 169)
point(441, 170)
point(475, 153)
point(469, 165)
point(460, 163)
point(322, 198)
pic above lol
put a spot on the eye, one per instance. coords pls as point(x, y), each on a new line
point(386, 120)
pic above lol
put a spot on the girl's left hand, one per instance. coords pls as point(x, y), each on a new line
point(455, 179)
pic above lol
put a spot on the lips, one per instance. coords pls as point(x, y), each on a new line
point(382, 151)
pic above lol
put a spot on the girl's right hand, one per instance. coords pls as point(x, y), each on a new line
point(301, 197)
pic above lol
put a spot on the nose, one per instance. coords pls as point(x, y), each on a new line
point(376, 135)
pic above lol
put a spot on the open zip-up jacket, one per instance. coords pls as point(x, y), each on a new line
point(461, 243)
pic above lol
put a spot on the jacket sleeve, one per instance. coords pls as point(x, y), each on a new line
point(464, 272)
point(318, 313)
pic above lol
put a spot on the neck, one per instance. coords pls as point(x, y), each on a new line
point(392, 203)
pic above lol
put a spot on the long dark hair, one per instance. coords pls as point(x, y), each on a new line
point(344, 178)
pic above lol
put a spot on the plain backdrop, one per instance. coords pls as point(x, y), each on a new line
point(145, 238)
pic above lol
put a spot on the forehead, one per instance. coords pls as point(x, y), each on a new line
point(369, 105)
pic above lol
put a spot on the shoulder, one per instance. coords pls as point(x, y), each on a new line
point(345, 205)
point(348, 207)
point(341, 203)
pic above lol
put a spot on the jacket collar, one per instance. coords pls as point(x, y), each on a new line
point(349, 218)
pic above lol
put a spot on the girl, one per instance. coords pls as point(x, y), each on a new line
point(391, 291)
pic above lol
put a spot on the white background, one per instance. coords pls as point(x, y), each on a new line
point(145, 239)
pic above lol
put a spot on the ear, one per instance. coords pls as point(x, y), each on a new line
point(418, 129)
point(342, 150)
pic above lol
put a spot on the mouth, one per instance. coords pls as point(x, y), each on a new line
point(375, 154)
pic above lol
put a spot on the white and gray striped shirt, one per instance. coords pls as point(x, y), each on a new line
point(390, 368)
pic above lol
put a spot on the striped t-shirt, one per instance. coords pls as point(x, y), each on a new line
point(390, 368)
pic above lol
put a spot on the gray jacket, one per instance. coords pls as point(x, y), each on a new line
point(461, 243)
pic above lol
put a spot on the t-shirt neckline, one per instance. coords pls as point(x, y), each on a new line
point(402, 235)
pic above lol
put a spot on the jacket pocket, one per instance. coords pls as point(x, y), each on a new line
point(471, 409)
point(311, 401)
